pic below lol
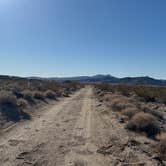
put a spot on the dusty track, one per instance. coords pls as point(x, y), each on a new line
point(49, 139)
point(68, 134)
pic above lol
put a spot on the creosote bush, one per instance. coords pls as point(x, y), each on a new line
point(118, 104)
point(161, 146)
point(130, 112)
point(9, 107)
point(144, 122)
point(28, 95)
point(22, 103)
point(50, 94)
point(39, 95)
point(146, 93)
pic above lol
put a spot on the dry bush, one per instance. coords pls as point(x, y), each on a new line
point(22, 103)
point(162, 136)
point(146, 93)
point(59, 92)
point(161, 146)
point(120, 103)
point(130, 112)
point(105, 87)
point(157, 114)
point(154, 111)
point(65, 94)
point(38, 95)
point(107, 96)
point(144, 122)
point(9, 107)
point(28, 95)
point(151, 93)
point(50, 94)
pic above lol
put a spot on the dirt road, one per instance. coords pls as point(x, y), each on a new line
point(69, 133)
point(53, 138)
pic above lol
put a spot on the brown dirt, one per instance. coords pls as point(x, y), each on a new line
point(76, 131)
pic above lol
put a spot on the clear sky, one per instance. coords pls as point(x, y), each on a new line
point(83, 37)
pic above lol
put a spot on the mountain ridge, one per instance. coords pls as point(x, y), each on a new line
point(144, 80)
point(100, 78)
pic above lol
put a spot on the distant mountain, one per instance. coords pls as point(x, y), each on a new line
point(90, 79)
point(99, 79)
point(111, 79)
point(142, 81)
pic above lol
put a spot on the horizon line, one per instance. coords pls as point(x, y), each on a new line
point(91, 75)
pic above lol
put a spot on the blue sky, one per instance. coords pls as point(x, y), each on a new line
point(83, 37)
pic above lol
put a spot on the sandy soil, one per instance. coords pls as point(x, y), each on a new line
point(76, 131)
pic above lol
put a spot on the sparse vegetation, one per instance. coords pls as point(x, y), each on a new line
point(130, 112)
point(39, 95)
point(161, 146)
point(17, 94)
point(118, 104)
point(28, 95)
point(144, 122)
point(146, 93)
point(22, 103)
point(9, 107)
point(50, 94)
point(139, 109)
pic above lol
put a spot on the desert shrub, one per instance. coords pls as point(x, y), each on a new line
point(161, 146)
point(22, 103)
point(58, 92)
point(17, 93)
point(65, 94)
point(144, 122)
point(105, 87)
point(157, 114)
point(120, 103)
point(38, 95)
point(146, 93)
point(71, 85)
point(162, 136)
point(50, 94)
point(28, 95)
point(106, 97)
point(130, 112)
point(9, 107)
point(151, 93)
point(124, 90)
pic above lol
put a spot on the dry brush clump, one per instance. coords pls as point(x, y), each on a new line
point(22, 103)
point(18, 95)
point(28, 95)
point(10, 109)
point(145, 93)
point(8, 106)
point(50, 94)
point(119, 103)
point(38, 95)
point(144, 122)
point(130, 111)
point(161, 146)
